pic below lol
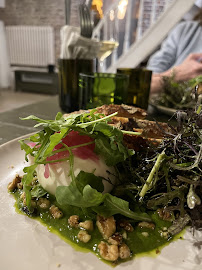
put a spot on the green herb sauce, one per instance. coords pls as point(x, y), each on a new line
point(136, 241)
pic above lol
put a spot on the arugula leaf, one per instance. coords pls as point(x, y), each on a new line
point(109, 131)
point(92, 196)
point(58, 116)
point(102, 204)
point(85, 178)
point(28, 177)
point(109, 151)
point(28, 150)
point(108, 144)
point(26, 180)
point(114, 205)
point(70, 195)
point(111, 205)
point(95, 121)
point(45, 144)
point(38, 191)
point(54, 140)
point(28, 196)
point(35, 138)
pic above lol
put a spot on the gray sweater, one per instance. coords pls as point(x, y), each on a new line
point(184, 39)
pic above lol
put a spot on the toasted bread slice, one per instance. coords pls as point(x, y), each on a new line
point(130, 118)
point(123, 111)
point(148, 129)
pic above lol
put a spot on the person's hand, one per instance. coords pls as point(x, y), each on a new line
point(190, 68)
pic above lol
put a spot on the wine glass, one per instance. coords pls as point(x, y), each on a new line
point(108, 39)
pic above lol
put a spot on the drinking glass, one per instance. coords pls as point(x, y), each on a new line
point(68, 71)
point(97, 89)
point(108, 38)
point(139, 86)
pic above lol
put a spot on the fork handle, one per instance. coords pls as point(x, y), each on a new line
point(88, 3)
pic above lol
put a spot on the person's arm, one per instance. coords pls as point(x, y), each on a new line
point(190, 68)
point(163, 59)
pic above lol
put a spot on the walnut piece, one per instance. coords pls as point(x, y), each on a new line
point(13, 185)
point(73, 221)
point(124, 251)
point(148, 225)
point(43, 203)
point(20, 185)
point(115, 239)
point(108, 252)
point(83, 236)
point(55, 212)
point(87, 225)
point(126, 225)
point(165, 214)
point(106, 226)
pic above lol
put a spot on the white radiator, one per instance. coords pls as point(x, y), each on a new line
point(31, 45)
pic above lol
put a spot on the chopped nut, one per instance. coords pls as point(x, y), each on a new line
point(83, 236)
point(74, 221)
point(33, 202)
point(22, 196)
point(164, 234)
point(34, 182)
point(115, 239)
point(106, 226)
point(43, 203)
point(124, 251)
point(126, 225)
point(147, 225)
point(124, 234)
point(20, 185)
point(12, 185)
point(165, 214)
point(108, 252)
point(87, 225)
point(55, 212)
point(145, 234)
point(24, 202)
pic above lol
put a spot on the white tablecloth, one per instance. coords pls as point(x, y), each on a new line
point(5, 72)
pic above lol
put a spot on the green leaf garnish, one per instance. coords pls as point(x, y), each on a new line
point(81, 193)
point(108, 141)
point(37, 191)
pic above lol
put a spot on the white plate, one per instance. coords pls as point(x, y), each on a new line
point(27, 244)
point(165, 110)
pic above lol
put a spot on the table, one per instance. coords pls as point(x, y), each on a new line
point(12, 127)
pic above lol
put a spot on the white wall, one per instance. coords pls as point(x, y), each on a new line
point(4, 60)
point(2, 3)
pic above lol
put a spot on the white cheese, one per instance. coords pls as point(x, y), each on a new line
point(59, 173)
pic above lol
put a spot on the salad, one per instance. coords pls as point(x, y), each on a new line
point(187, 93)
point(137, 202)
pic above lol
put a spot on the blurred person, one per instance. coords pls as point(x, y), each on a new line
point(180, 54)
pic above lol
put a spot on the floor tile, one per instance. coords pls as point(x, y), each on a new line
point(10, 100)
